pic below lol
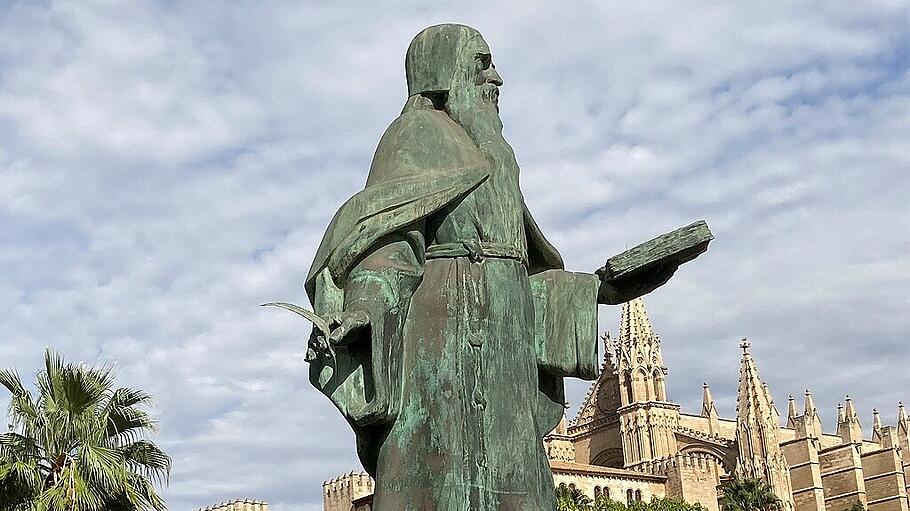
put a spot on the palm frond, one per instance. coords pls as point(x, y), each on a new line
point(102, 467)
point(140, 495)
point(125, 425)
point(10, 379)
point(16, 446)
point(146, 459)
point(22, 409)
point(20, 484)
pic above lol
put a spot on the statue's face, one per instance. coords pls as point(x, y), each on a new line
point(478, 60)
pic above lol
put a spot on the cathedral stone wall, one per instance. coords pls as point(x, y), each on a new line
point(691, 477)
point(805, 474)
point(726, 427)
point(883, 476)
point(618, 484)
point(842, 477)
point(604, 448)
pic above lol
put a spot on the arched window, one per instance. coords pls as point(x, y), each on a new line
point(606, 492)
point(572, 486)
point(629, 496)
point(638, 495)
point(596, 492)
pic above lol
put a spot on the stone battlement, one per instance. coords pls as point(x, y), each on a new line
point(338, 493)
point(238, 505)
point(692, 460)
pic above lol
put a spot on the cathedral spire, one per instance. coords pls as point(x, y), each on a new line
point(753, 400)
point(791, 412)
point(809, 404)
point(903, 433)
point(848, 426)
point(707, 401)
point(647, 420)
point(641, 365)
point(811, 422)
point(634, 322)
point(758, 432)
point(709, 410)
point(876, 426)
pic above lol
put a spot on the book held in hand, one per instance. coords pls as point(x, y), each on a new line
point(676, 247)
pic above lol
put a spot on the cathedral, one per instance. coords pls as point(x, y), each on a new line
point(630, 442)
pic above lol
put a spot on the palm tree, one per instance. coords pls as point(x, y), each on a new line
point(749, 495)
point(80, 445)
point(571, 499)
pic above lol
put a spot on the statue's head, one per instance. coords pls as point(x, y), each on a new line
point(445, 56)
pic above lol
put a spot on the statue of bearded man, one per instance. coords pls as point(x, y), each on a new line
point(452, 323)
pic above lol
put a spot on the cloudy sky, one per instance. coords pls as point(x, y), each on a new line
point(166, 167)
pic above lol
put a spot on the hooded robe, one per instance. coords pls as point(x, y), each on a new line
point(473, 325)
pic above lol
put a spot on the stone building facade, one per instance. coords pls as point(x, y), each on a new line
point(346, 493)
point(238, 505)
point(630, 442)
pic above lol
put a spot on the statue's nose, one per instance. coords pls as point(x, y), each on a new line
point(493, 76)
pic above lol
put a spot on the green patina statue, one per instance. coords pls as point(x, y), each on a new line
point(445, 322)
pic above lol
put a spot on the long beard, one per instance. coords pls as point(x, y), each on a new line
point(474, 107)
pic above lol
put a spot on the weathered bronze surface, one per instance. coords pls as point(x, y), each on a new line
point(452, 321)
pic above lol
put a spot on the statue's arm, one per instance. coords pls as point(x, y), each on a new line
point(382, 282)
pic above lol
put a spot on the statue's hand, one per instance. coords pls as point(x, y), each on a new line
point(345, 323)
point(617, 291)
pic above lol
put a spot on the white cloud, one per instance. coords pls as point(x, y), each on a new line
point(166, 167)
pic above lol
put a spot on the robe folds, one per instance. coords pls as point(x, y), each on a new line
point(473, 325)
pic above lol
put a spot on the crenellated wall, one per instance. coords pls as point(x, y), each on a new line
point(692, 477)
point(338, 493)
point(238, 505)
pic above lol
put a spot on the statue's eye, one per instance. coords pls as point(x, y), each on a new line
point(484, 60)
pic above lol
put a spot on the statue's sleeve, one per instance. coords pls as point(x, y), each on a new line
point(362, 378)
point(565, 337)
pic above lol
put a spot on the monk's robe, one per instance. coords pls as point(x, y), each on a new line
point(473, 325)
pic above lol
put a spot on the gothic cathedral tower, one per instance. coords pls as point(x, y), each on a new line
point(647, 419)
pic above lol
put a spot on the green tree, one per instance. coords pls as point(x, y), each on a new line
point(749, 495)
point(80, 445)
point(604, 503)
point(670, 504)
point(858, 506)
point(656, 504)
point(571, 499)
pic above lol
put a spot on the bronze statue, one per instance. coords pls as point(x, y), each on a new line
point(445, 322)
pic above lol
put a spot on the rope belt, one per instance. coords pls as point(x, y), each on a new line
point(475, 251)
